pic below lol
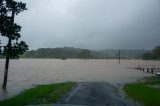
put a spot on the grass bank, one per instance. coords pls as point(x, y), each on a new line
point(39, 95)
point(146, 91)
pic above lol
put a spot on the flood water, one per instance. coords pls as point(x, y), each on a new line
point(25, 73)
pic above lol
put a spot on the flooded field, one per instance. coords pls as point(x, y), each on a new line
point(25, 73)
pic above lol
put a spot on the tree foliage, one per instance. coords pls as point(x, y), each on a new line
point(85, 54)
point(156, 51)
point(155, 55)
point(11, 30)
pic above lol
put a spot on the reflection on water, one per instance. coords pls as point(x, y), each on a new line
point(25, 73)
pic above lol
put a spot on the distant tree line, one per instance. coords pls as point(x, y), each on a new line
point(85, 54)
point(59, 53)
point(154, 55)
point(78, 53)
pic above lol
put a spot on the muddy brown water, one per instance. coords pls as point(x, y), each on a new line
point(26, 73)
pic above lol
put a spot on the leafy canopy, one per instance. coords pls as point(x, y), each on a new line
point(11, 30)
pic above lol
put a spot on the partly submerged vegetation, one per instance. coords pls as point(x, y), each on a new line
point(39, 95)
point(147, 91)
point(154, 55)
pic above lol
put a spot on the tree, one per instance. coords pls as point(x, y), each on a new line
point(154, 55)
point(85, 54)
point(156, 52)
point(148, 56)
point(11, 30)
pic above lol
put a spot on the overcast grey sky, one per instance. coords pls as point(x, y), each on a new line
point(92, 24)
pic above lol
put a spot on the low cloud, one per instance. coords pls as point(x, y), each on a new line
point(92, 24)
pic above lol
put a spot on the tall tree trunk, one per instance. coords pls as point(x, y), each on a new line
point(6, 71)
point(8, 56)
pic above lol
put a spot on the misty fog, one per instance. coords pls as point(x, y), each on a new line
point(91, 24)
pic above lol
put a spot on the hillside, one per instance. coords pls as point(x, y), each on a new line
point(70, 52)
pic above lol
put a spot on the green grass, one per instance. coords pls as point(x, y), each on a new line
point(145, 91)
point(151, 81)
point(39, 94)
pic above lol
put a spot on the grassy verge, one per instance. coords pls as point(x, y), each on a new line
point(147, 91)
point(39, 94)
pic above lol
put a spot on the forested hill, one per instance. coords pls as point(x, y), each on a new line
point(67, 52)
point(70, 52)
